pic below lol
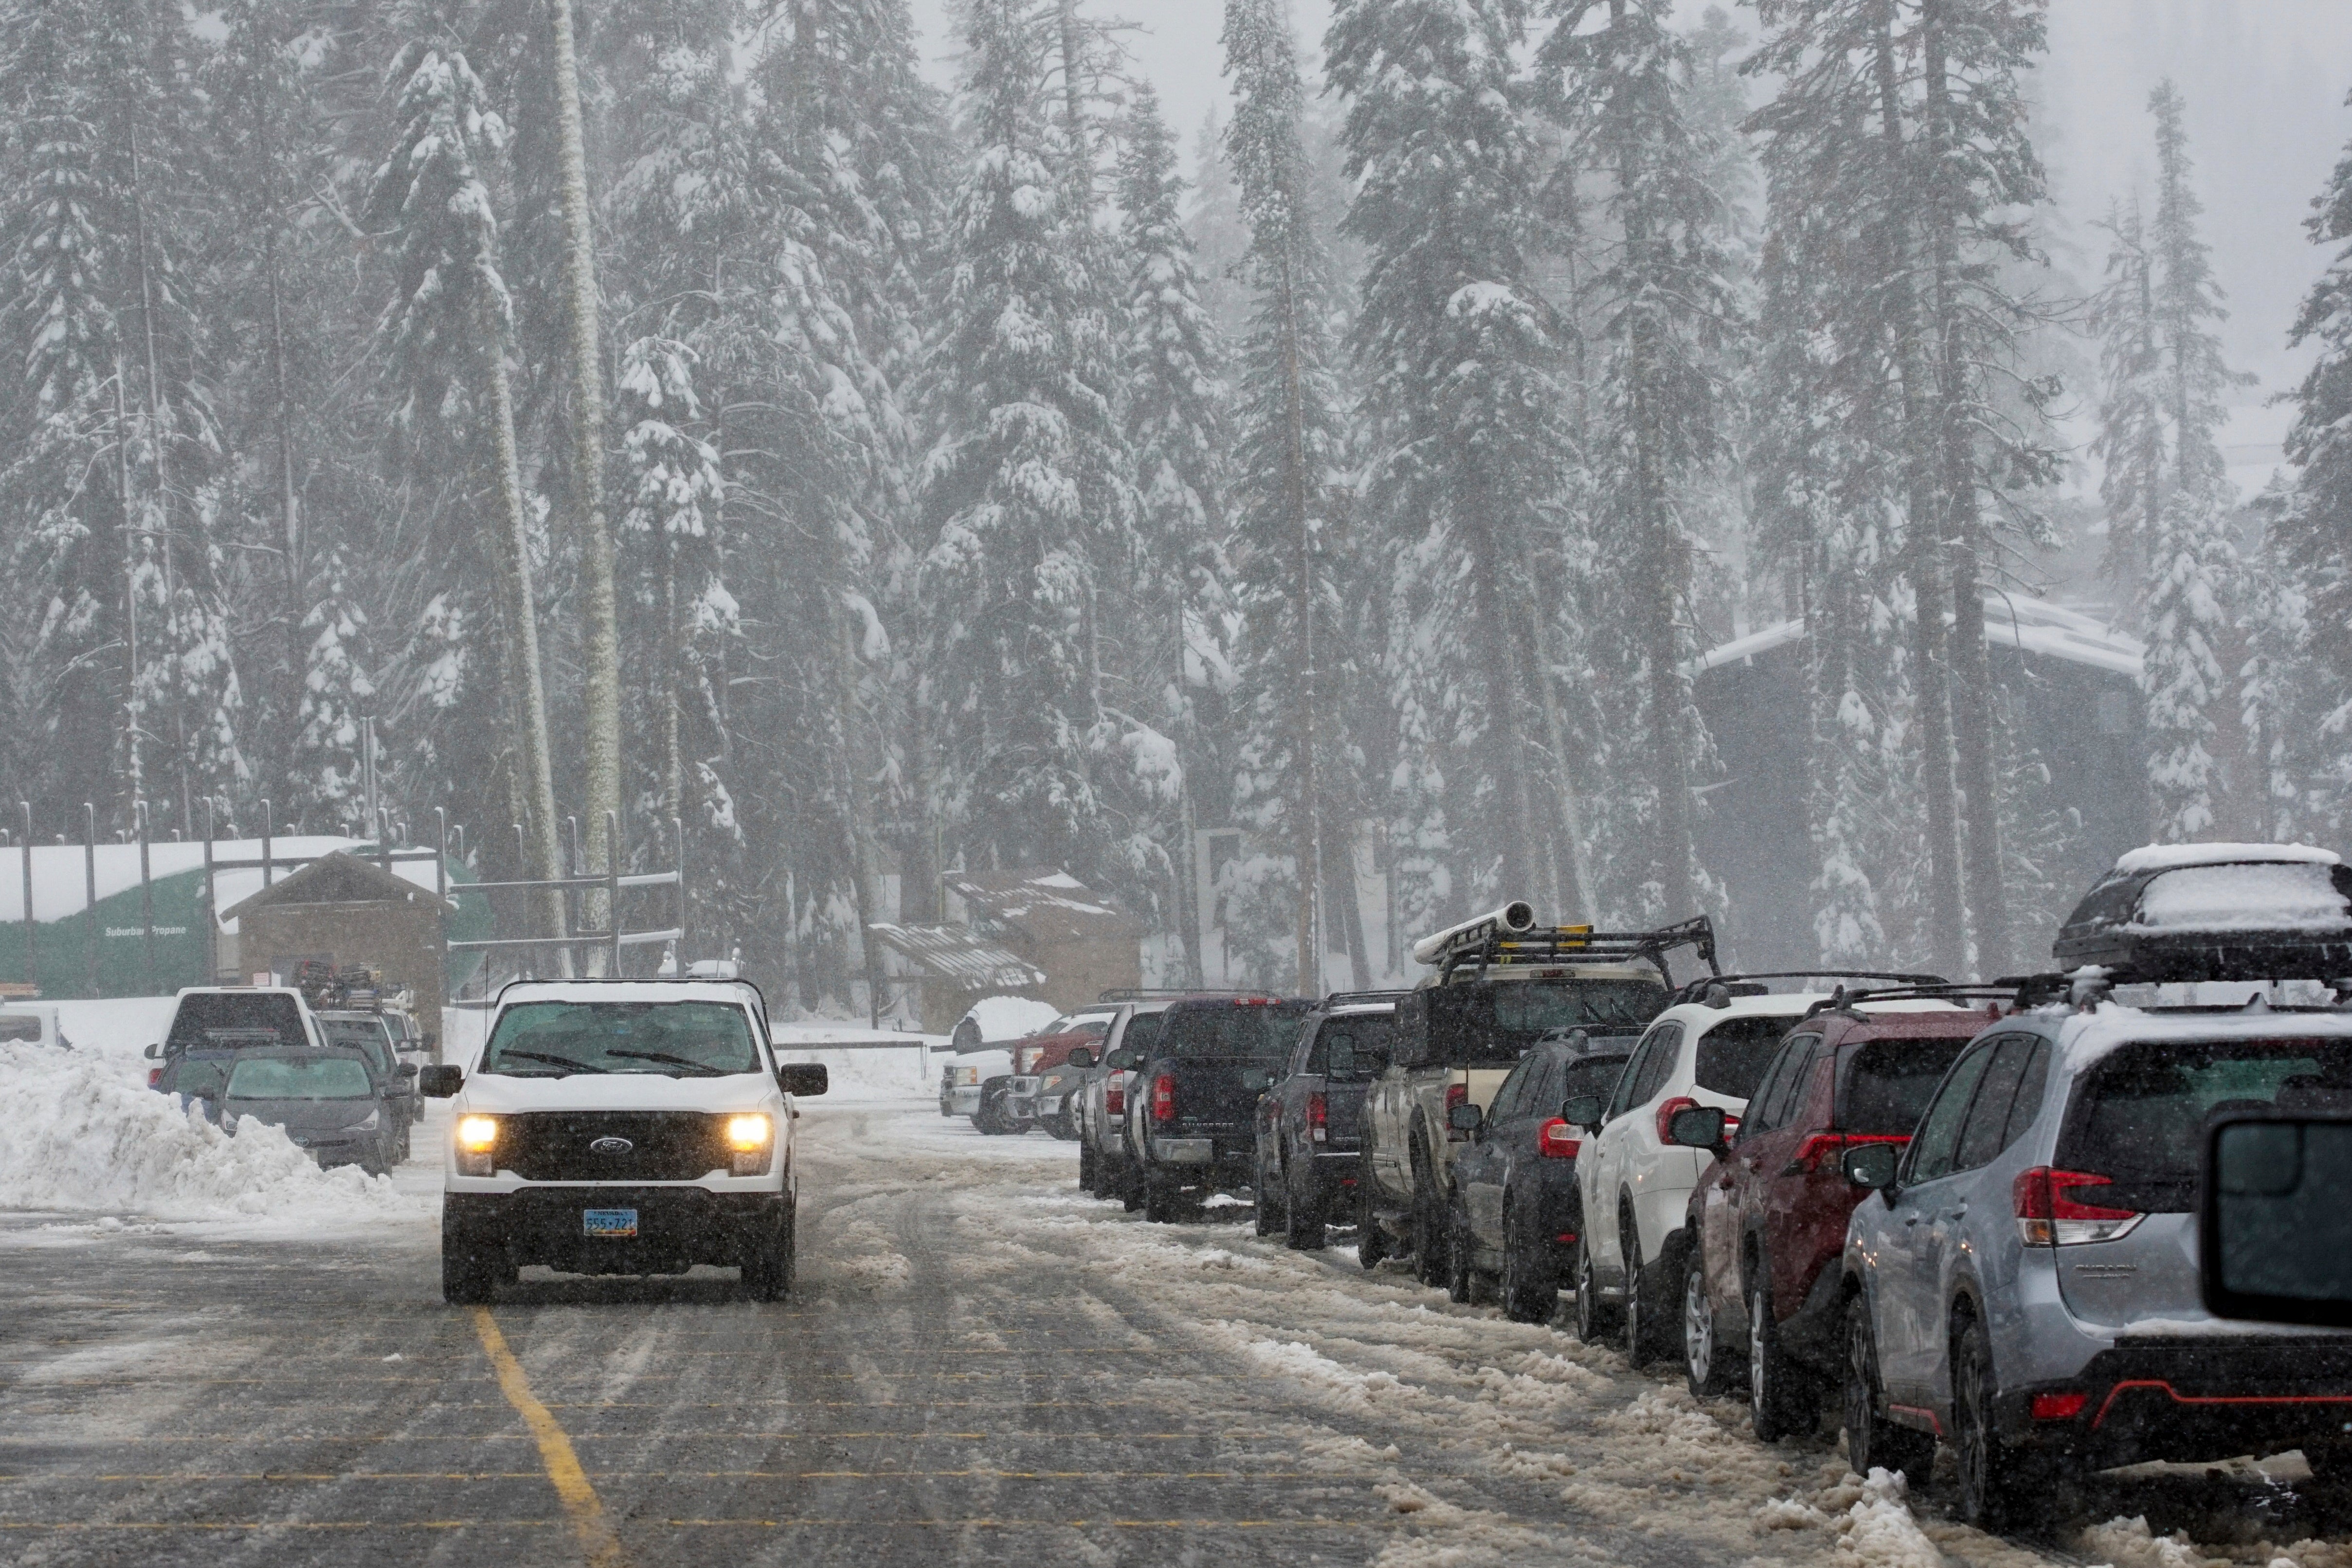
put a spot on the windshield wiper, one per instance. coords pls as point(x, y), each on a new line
point(673, 1061)
point(554, 1061)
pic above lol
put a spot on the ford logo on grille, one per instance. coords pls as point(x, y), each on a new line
point(611, 1147)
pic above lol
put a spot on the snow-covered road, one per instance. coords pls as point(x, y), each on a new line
point(980, 1365)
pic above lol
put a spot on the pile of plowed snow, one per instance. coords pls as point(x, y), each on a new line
point(81, 1135)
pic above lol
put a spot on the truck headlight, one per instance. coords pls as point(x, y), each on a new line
point(369, 1125)
point(749, 1140)
point(477, 1137)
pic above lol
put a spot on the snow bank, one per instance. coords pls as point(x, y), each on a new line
point(80, 1135)
point(873, 1072)
point(2129, 1543)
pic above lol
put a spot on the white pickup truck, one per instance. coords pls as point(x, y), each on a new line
point(621, 1127)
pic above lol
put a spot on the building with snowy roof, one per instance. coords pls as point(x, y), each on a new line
point(139, 920)
point(2073, 682)
point(1054, 923)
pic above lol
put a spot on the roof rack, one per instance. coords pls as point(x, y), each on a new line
point(2020, 991)
point(1490, 949)
point(1153, 994)
point(1353, 999)
point(1699, 990)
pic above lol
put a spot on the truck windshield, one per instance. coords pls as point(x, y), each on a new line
point(1257, 1031)
point(555, 1039)
point(299, 1078)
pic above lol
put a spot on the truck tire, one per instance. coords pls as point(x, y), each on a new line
point(1461, 1257)
point(1085, 1167)
point(1372, 1241)
point(768, 1262)
point(473, 1267)
point(1302, 1207)
point(1159, 1198)
point(1130, 1187)
point(1429, 1249)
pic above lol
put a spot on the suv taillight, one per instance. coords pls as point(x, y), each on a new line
point(2048, 1215)
point(1318, 1120)
point(1163, 1097)
point(1114, 1095)
point(1557, 1140)
point(1820, 1151)
point(154, 1078)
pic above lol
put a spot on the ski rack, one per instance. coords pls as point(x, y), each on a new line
point(2019, 991)
point(1548, 944)
point(1699, 990)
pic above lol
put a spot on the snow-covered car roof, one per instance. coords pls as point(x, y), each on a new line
point(2088, 1037)
point(1776, 1004)
point(2171, 857)
point(736, 993)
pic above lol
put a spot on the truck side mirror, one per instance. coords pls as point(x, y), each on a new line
point(1696, 1127)
point(1124, 1060)
point(439, 1082)
point(1871, 1166)
point(1464, 1117)
point(1582, 1110)
point(1080, 1057)
point(2274, 1235)
point(153, 1052)
point(803, 1078)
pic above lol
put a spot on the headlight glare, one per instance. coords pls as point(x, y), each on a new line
point(477, 1134)
point(746, 1135)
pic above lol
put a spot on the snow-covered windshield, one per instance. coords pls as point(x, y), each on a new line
point(299, 1078)
point(555, 1039)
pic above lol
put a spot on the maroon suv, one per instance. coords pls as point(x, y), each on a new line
point(1768, 1218)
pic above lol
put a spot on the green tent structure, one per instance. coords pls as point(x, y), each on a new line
point(138, 920)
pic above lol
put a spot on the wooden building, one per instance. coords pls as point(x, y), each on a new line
point(1056, 925)
point(348, 911)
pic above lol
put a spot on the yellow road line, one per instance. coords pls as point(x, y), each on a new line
point(597, 1543)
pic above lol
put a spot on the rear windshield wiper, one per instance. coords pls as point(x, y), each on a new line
point(553, 1061)
point(664, 1056)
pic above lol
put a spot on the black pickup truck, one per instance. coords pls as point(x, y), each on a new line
point(1191, 1116)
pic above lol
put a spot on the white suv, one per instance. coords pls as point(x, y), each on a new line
point(621, 1127)
point(1635, 1184)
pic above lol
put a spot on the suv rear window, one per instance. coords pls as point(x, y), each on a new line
point(1593, 1075)
point(1732, 1055)
point(2138, 1117)
point(555, 1039)
point(1888, 1082)
point(215, 1018)
point(1263, 1032)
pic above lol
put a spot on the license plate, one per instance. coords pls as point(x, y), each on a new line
point(621, 1222)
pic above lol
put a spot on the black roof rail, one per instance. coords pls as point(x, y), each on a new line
point(1153, 994)
point(2020, 991)
point(1548, 944)
point(1697, 991)
point(1353, 999)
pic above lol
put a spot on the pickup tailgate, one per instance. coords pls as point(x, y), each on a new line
point(1215, 1095)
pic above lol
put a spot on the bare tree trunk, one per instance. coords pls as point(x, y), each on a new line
point(159, 437)
point(133, 717)
point(510, 566)
point(1946, 923)
point(290, 517)
point(601, 705)
point(1308, 829)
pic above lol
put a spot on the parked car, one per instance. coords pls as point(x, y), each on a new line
point(1048, 1099)
point(1103, 1167)
point(1192, 1120)
point(213, 1024)
point(1310, 1123)
point(331, 1102)
point(32, 1023)
point(1016, 1107)
point(366, 1033)
point(967, 1081)
point(1515, 1211)
point(1709, 1049)
point(1762, 1284)
point(2024, 1278)
point(1501, 984)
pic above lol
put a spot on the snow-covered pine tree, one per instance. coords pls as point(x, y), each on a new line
point(1457, 350)
point(1667, 313)
point(1174, 593)
point(2130, 440)
point(1023, 489)
point(325, 767)
point(2187, 618)
point(1220, 238)
point(444, 338)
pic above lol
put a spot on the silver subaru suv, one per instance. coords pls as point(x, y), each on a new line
point(2023, 1285)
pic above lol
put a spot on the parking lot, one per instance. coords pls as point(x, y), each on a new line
point(979, 1365)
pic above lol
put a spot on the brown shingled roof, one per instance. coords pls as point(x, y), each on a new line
point(1046, 906)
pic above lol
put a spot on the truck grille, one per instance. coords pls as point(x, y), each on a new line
point(663, 1146)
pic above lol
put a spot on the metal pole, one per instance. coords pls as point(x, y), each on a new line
point(89, 891)
point(32, 959)
point(212, 903)
point(265, 859)
point(612, 882)
point(367, 770)
point(576, 866)
point(384, 838)
point(678, 836)
point(146, 898)
point(441, 862)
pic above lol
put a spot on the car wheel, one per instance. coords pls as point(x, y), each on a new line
point(1130, 1187)
point(1085, 1167)
point(1872, 1441)
point(1063, 1127)
point(1302, 1207)
point(1530, 1282)
point(472, 1270)
point(1640, 1333)
point(1998, 1482)
point(1372, 1241)
point(1262, 1200)
point(1594, 1317)
point(1461, 1257)
point(1777, 1395)
point(1429, 1225)
point(1703, 1358)
point(1159, 1198)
